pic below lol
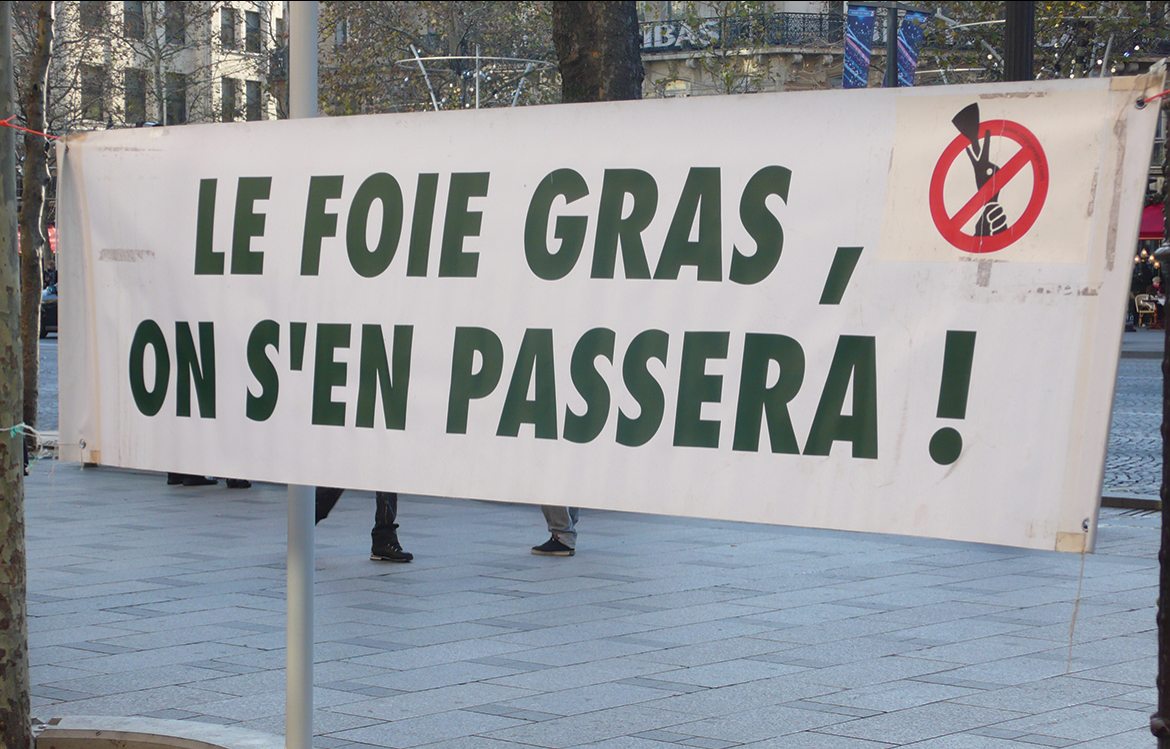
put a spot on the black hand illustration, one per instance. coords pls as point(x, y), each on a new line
point(993, 220)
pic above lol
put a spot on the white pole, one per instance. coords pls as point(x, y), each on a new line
point(302, 67)
point(298, 712)
point(516, 96)
point(426, 77)
point(1105, 60)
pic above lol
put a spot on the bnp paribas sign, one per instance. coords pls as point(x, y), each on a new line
point(895, 310)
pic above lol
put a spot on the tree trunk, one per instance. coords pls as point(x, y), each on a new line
point(599, 50)
point(32, 238)
point(15, 725)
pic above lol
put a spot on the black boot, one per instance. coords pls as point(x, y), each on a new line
point(390, 551)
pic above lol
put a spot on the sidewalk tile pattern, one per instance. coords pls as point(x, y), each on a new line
point(168, 602)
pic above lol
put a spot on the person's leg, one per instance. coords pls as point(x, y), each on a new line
point(385, 546)
point(326, 499)
point(562, 524)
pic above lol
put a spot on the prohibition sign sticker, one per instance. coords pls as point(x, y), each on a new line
point(1029, 155)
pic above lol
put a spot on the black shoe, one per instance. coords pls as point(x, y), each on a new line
point(199, 481)
point(553, 548)
point(239, 484)
point(391, 552)
point(174, 479)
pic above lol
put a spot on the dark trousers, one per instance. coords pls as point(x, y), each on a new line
point(385, 530)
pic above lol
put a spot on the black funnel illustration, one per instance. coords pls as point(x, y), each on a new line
point(967, 122)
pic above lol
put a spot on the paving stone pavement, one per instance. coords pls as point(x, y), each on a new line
point(1135, 450)
point(168, 602)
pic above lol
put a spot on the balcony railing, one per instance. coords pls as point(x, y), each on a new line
point(812, 30)
point(756, 30)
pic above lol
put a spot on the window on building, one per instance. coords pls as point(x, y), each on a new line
point(281, 33)
point(228, 97)
point(252, 102)
point(227, 28)
point(93, 79)
point(93, 14)
point(176, 95)
point(133, 22)
point(135, 83)
point(176, 22)
point(252, 31)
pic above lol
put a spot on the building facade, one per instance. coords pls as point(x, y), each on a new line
point(693, 48)
point(705, 48)
point(125, 64)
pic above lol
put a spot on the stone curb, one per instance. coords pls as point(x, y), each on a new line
point(1131, 501)
point(1141, 354)
point(112, 732)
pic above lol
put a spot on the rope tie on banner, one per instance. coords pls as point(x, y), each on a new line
point(8, 123)
point(17, 429)
point(1148, 99)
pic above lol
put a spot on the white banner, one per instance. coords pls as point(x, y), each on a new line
point(896, 311)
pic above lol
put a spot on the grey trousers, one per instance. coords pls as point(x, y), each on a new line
point(562, 523)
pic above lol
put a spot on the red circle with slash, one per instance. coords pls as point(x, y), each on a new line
point(1030, 154)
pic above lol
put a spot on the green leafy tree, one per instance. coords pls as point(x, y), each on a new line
point(367, 49)
point(1073, 39)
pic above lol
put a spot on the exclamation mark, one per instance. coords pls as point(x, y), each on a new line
point(947, 443)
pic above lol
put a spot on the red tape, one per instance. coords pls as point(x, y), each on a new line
point(8, 123)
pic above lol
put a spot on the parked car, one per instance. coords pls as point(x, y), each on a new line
point(49, 310)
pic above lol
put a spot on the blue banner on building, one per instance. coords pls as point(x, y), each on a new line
point(909, 42)
point(858, 46)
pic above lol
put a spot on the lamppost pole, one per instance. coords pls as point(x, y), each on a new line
point(1160, 720)
point(1019, 36)
point(302, 84)
point(891, 79)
